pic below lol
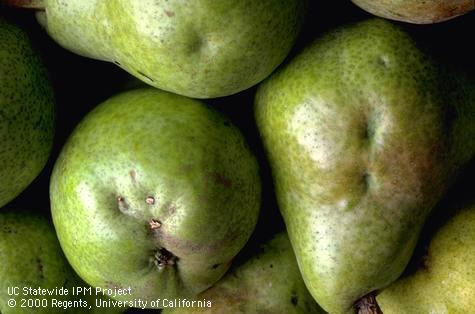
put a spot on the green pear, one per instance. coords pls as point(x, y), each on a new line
point(156, 193)
point(26, 112)
point(200, 48)
point(417, 11)
point(363, 133)
point(269, 282)
point(446, 283)
point(32, 259)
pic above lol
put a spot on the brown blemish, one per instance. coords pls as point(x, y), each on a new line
point(112, 285)
point(172, 209)
point(222, 180)
point(169, 13)
point(445, 10)
point(133, 175)
point(154, 224)
point(150, 200)
point(181, 244)
point(122, 204)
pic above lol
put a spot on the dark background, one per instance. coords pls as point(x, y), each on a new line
point(81, 84)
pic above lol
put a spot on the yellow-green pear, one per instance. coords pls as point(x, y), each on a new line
point(446, 283)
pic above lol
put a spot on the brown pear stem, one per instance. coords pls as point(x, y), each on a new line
point(24, 4)
point(368, 305)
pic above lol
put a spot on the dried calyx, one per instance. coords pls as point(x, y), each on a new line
point(163, 258)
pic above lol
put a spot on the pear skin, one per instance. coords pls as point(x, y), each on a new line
point(27, 112)
point(156, 192)
point(32, 258)
point(364, 133)
point(269, 282)
point(417, 11)
point(200, 48)
point(446, 283)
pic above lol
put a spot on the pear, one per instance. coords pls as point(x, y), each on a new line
point(417, 11)
point(200, 48)
point(32, 259)
point(27, 112)
point(446, 283)
point(363, 133)
point(154, 192)
point(269, 282)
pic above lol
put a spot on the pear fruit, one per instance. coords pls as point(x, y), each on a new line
point(417, 11)
point(200, 49)
point(446, 283)
point(154, 192)
point(32, 259)
point(27, 112)
point(269, 282)
point(364, 133)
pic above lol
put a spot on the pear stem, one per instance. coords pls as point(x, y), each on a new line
point(368, 305)
point(24, 4)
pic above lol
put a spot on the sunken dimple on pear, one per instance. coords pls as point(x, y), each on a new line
point(360, 150)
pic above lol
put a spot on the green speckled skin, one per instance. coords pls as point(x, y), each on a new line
point(268, 283)
point(417, 11)
point(363, 133)
point(196, 166)
point(30, 256)
point(26, 112)
point(200, 48)
point(447, 282)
